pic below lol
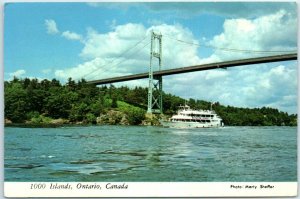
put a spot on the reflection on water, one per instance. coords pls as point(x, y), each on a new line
point(116, 153)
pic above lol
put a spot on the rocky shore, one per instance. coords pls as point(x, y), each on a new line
point(112, 117)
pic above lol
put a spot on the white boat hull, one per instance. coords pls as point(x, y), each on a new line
point(180, 124)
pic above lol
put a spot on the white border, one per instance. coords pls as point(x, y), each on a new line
point(175, 189)
point(152, 189)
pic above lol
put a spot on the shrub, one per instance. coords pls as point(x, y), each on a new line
point(90, 118)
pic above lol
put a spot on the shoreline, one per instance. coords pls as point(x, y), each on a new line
point(26, 125)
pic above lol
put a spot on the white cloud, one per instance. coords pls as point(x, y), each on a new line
point(51, 26)
point(18, 73)
point(71, 35)
point(190, 9)
point(119, 52)
point(21, 75)
point(275, 32)
point(46, 71)
point(52, 29)
point(249, 86)
point(77, 72)
point(112, 44)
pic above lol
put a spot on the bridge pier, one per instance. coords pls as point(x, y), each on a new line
point(155, 82)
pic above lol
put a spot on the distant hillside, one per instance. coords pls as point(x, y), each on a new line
point(48, 101)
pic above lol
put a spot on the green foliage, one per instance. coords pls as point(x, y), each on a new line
point(39, 101)
point(114, 102)
point(96, 108)
point(124, 107)
point(90, 118)
point(136, 116)
point(40, 119)
point(58, 103)
point(78, 111)
point(254, 117)
point(16, 102)
point(32, 114)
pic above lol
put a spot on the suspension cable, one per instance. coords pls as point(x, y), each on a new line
point(229, 49)
point(120, 56)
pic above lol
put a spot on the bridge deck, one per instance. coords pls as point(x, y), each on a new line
point(226, 64)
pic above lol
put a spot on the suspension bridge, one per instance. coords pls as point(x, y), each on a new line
point(155, 77)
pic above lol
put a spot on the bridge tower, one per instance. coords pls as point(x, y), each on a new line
point(155, 82)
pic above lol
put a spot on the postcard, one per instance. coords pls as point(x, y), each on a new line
point(150, 99)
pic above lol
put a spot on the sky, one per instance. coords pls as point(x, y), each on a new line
point(101, 40)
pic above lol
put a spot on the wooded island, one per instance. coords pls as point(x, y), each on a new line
point(42, 102)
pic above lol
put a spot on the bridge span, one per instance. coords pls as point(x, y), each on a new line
point(225, 64)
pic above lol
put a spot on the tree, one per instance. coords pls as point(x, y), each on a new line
point(29, 99)
point(55, 83)
point(71, 85)
point(15, 103)
point(78, 112)
point(114, 103)
point(58, 103)
point(135, 116)
point(90, 118)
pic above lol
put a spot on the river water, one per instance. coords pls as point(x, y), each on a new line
point(146, 154)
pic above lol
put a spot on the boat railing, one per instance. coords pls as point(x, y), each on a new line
point(188, 108)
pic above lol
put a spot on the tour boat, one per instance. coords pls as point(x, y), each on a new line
point(188, 118)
